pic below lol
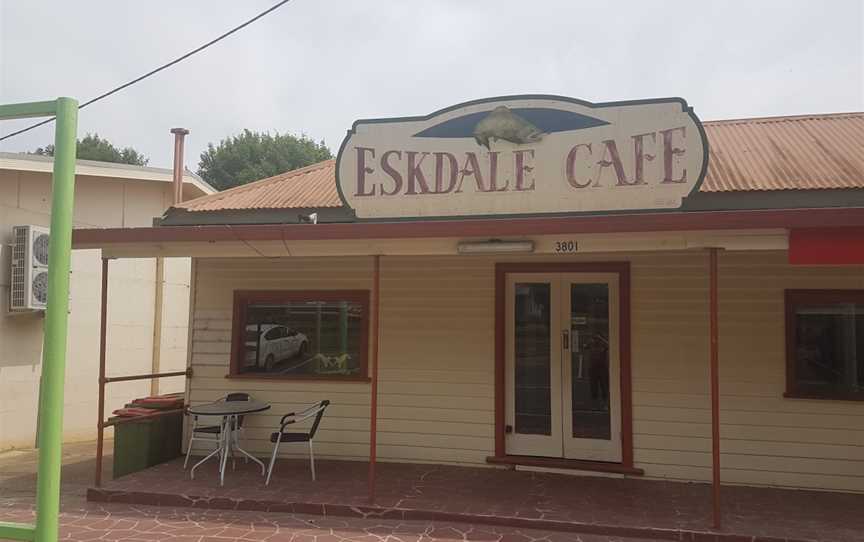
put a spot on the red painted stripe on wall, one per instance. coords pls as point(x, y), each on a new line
point(823, 246)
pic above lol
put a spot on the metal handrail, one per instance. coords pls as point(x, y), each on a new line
point(103, 380)
point(150, 376)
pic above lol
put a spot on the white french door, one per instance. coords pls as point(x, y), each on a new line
point(562, 366)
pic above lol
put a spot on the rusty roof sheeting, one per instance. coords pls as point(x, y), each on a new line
point(809, 152)
point(762, 154)
point(309, 187)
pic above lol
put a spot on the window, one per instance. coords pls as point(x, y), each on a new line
point(300, 334)
point(825, 344)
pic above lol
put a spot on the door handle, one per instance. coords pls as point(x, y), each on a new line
point(508, 429)
point(565, 340)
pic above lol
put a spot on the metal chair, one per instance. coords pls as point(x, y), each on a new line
point(213, 433)
point(316, 411)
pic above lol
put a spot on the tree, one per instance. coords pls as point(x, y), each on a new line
point(92, 147)
point(251, 156)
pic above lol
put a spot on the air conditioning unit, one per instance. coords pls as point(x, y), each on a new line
point(29, 290)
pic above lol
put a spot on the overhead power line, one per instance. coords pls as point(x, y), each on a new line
point(157, 70)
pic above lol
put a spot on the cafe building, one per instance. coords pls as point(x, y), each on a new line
point(538, 282)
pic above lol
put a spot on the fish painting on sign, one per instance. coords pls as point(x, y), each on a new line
point(524, 155)
point(518, 125)
point(504, 124)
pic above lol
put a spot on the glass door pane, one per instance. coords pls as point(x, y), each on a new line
point(533, 365)
point(589, 361)
point(591, 374)
point(532, 358)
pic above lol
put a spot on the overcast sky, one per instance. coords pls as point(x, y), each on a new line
point(314, 66)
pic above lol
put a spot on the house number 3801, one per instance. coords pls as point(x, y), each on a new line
point(566, 246)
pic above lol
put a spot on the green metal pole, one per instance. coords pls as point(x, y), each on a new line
point(56, 323)
point(16, 531)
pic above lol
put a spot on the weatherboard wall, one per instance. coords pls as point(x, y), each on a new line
point(437, 365)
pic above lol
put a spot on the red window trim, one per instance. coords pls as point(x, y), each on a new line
point(623, 271)
point(242, 298)
point(792, 300)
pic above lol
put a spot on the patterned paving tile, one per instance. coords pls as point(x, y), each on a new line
point(623, 507)
point(84, 522)
point(495, 497)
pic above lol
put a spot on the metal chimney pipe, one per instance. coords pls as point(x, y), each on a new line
point(179, 136)
point(159, 281)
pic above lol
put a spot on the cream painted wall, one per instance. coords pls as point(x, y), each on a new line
point(175, 323)
point(437, 366)
point(99, 202)
point(765, 438)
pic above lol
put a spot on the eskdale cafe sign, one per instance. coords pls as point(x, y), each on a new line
point(524, 155)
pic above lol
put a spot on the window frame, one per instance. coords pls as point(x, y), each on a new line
point(243, 298)
point(794, 299)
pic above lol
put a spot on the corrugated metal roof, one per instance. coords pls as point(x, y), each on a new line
point(786, 153)
point(309, 187)
point(761, 154)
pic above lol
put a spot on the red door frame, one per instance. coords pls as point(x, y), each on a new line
point(622, 269)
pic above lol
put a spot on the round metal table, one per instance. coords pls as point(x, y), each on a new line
point(229, 411)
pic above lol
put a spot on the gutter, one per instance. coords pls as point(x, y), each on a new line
point(490, 228)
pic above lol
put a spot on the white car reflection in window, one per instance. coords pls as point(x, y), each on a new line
point(276, 343)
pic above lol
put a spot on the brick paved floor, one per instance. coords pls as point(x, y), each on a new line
point(522, 499)
point(110, 522)
point(87, 521)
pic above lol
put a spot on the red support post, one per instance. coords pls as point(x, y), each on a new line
point(103, 328)
point(715, 386)
point(373, 415)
